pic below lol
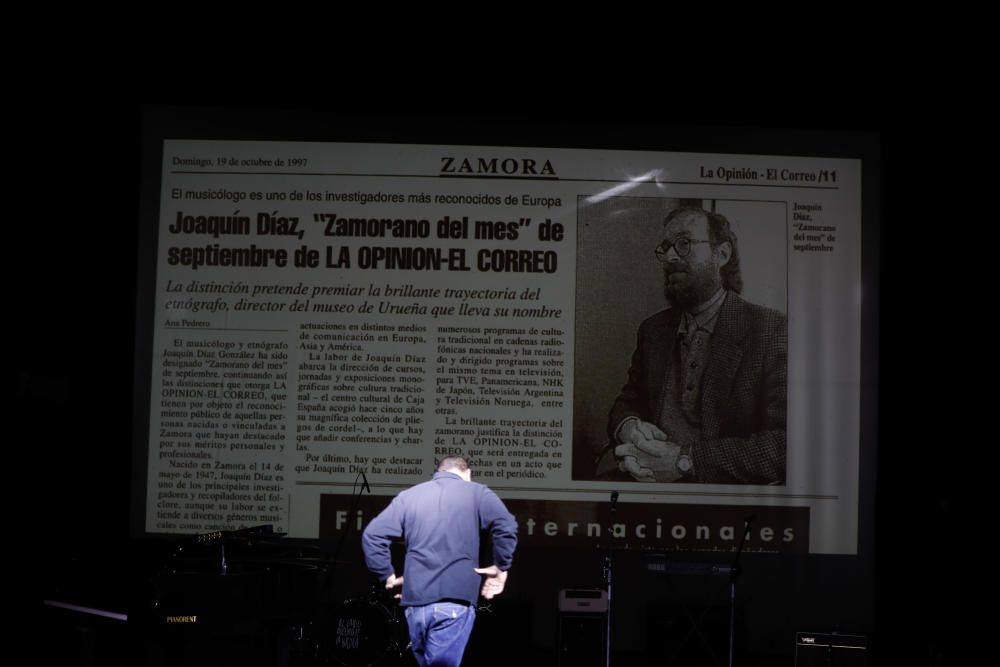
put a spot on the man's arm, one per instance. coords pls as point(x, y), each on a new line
point(494, 516)
point(629, 406)
point(502, 525)
point(630, 432)
point(378, 536)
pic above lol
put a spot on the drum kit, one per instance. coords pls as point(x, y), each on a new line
point(366, 631)
point(244, 583)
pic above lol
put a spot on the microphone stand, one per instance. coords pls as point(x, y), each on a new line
point(734, 573)
point(608, 565)
point(351, 515)
point(320, 649)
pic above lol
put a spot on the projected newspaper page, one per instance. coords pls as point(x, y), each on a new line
point(327, 309)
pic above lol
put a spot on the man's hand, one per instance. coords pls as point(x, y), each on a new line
point(494, 582)
point(646, 454)
point(634, 431)
point(392, 582)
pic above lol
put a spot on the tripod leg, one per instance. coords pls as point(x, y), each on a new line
point(732, 618)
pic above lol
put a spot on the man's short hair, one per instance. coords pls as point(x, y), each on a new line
point(719, 232)
point(453, 463)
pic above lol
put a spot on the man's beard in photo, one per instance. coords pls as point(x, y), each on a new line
point(697, 286)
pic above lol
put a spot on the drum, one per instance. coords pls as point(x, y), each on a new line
point(364, 633)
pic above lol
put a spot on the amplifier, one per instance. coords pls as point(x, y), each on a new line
point(817, 649)
point(583, 601)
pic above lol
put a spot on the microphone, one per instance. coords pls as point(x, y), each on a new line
point(614, 500)
point(364, 482)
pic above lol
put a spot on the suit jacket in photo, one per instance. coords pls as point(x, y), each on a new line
point(743, 400)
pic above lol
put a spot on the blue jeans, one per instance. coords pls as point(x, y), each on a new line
point(439, 632)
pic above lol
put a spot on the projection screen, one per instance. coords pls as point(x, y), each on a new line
point(316, 310)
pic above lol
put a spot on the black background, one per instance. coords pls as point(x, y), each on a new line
point(72, 259)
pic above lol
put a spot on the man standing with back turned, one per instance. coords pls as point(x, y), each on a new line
point(441, 521)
